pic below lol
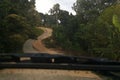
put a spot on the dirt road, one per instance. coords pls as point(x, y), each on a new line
point(39, 46)
point(40, 74)
point(36, 46)
point(28, 47)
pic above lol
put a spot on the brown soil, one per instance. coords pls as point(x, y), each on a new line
point(40, 74)
point(39, 46)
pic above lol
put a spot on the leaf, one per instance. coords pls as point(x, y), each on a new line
point(116, 22)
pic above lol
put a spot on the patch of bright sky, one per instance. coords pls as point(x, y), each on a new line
point(45, 5)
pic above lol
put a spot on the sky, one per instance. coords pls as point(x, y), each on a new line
point(45, 5)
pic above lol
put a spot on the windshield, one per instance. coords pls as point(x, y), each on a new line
point(65, 29)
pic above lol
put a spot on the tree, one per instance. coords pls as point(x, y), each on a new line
point(63, 16)
point(5, 6)
point(16, 31)
point(15, 25)
point(55, 11)
point(110, 16)
point(88, 10)
point(93, 33)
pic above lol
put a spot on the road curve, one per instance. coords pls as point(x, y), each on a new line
point(41, 74)
point(36, 46)
point(39, 46)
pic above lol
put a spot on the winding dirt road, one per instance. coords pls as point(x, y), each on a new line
point(39, 46)
point(41, 74)
point(36, 46)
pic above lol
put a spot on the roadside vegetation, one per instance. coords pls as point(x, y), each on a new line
point(18, 19)
point(93, 31)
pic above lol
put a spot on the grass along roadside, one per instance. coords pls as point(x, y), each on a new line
point(38, 32)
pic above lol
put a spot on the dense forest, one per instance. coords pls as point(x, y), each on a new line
point(93, 31)
point(18, 19)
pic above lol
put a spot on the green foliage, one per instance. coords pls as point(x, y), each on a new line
point(15, 32)
point(17, 23)
point(15, 43)
point(88, 10)
point(35, 33)
point(110, 12)
point(97, 34)
point(116, 22)
point(55, 10)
